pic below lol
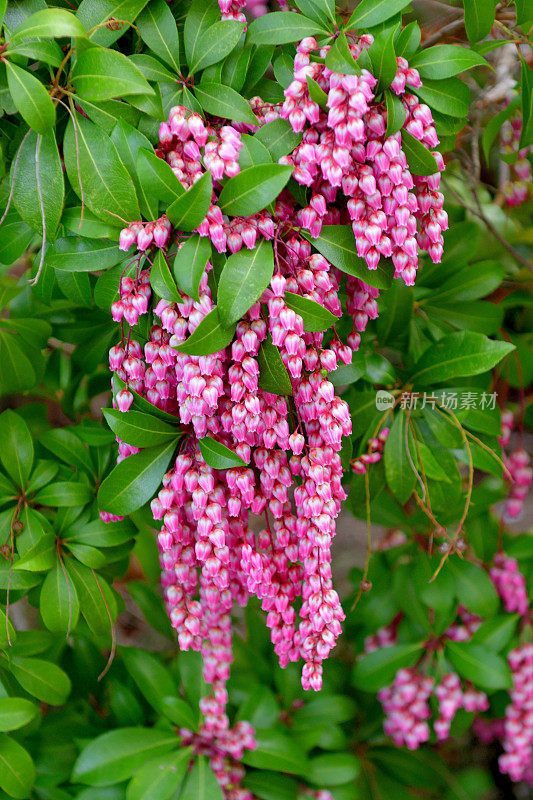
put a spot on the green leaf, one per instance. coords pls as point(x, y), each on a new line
point(273, 374)
point(479, 18)
point(97, 602)
point(100, 74)
point(190, 263)
point(400, 474)
point(252, 152)
point(373, 12)
point(408, 40)
point(419, 159)
point(268, 785)
point(222, 101)
point(496, 633)
point(16, 447)
point(494, 125)
point(64, 494)
point(135, 480)
point(476, 663)
point(68, 447)
point(474, 589)
point(93, 13)
point(244, 278)
point(187, 212)
point(524, 11)
point(209, 337)
point(114, 756)
point(253, 189)
point(526, 136)
point(202, 15)
point(76, 287)
point(383, 59)
point(375, 670)
point(445, 61)
point(42, 679)
point(458, 355)
point(190, 667)
point(328, 709)
point(162, 281)
point(47, 23)
point(40, 556)
point(59, 603)
point(278, 752)
point(281, 27)
point(31, 98)
point(16, 370)
point(158, 30)
point(151, 677)
point(316, 94)
point(83, 255)
point(235, 68)
point(450, 96)
point(96, 173)
point(395, 113)
point(138, 429)
point(278, 137)
point(340, 59)
point(322, 11)
point(333, 769)
point(315, 317)
point(160, 777)
point(90, 226)
point(178, 711)
point(152, 69)
point(140, 403)
point(17, 771)
point(156, 174)
point(15, 712)
point(128, 142)
point(39, 172)
point(217, 455)
point(201, 783)
point(337, 244)
point(215, 44)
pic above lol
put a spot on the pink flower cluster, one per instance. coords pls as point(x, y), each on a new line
point(510, 584)
point(518, 186)
point(345, 150)
point(518, 466)
point(375, 453)
point(451, 697)
point(406, 705)
point(517, 740)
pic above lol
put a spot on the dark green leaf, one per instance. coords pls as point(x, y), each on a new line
point(101, 74)
point(135, 480)
point(38, 183)
point(202, 15)
point(222, 101)
point(526, 136)
point(476, 663)
point(337, 244)
point(479, 18)
point(278, 137)
point(419, 158)
point(395, 113)
point(383, 59)
point(496, 633)
point(235, 68)
point(97, 602)
point(268, 785)
point(190, 263)
point(244, 278)
point(217, 455)
point(280, 27)
point(151, 677)
point(273, 375)
point(59, 603)
point(315, 317)
point(252, 152)
point(93, 13)
point(17, 771)
point(158, 29)
point(372, 12)
point(138, 429)
point(187, 212)
point(160, 777)
point(64, 494)
point(68, 447)
point(113, 757)
point(215, 44)
point(162, 281)
point(322, 11)
point(201, 783)
point(375, 670)
point(128, 142)
point(42, 679)
point(316, 94)
point(31, 98)
point(16, 447)
point(450, 96)
point(16, 370)
point(156, 174)
point(278, 752)
point(209, 337)
point(178, 711)
point(152, 69)
point(445, 61)
point(83, 255)
point(475, 590)
point(398, 460)
point(340, 59)
point(253, 189)
point(333, 769)
point(458, 355)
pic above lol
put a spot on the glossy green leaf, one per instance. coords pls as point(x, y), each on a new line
point(42, 679)
point(50, 22)
point(235, 68)
point(479, 18)
point(156, 174)
point(315, 316)
point(217, 455)
point(59, 604)
point(201, 15)
point(476, 663)
point(222, 101)
point(316, 94)
point(270, 785)
point(419, 158)
point(333, 769)
point(17, 770)
point(337, 244)
point(39, 189)
point(216, 43)
point(100, 74)
point(526, 136)
point(138, 429)
point(273, 374)
point(209, 337)
point(321, 11)
point(83, 255)
point(31, 98)
point(252, 152)
point(408, 40)
point(458, 355)
point(178, 711)
point(151, 677)
point(158, 30)
point(373, 12)
point(474, 589)
point(162, 281)
point(190, 263)
point(187, 212)
point(94, 13)
point(278, 137)
point(135, 480)
point(201, 783)
point(450, 96)
point(96, 173)
point(281, 27)
point(253, 189)
point(16, 447)
point(401, 476)
point(15, 712)
point(377, 669)
point(114, 756)
point(244, 278)
point(68, 447)
point(278, 752)
point(383, 59)
point(445, 61)
point(340, 59)
point(64, 494)
point(97, 602)
point(396, 113)
point(128, 141)
point(160, 777)
point(496, 633)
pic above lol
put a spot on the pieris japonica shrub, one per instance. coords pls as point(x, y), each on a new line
point(264, 272)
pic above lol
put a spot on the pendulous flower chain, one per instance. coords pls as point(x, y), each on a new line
point(210, 555)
